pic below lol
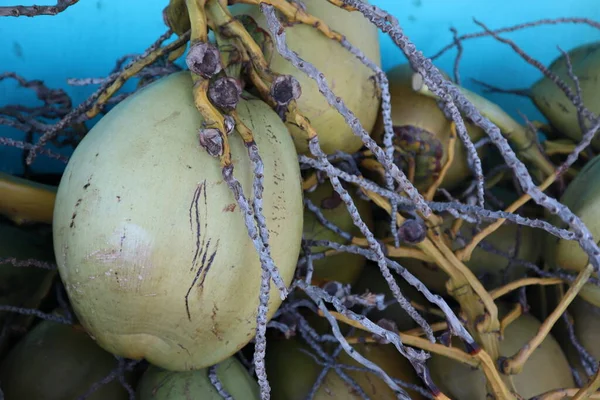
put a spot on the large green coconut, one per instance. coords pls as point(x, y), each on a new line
point(292, 372)
point(160, 384)
point(547, 368)
point(422, 133)
point(583, 199)
point(342, 267)
point(58, 362)
point(150, 241)
point(349, 79)
point(552, 101)
point(489, 267)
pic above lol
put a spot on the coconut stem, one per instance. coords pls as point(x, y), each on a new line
point(136, 67)
point(501, 291)
point(514, 364)
point(465, 253)
point(511, 317)
point(25, 201)
point(451, 142)
point(589, 389)
point(561, 394)
point(107, 89)
point(478, 360)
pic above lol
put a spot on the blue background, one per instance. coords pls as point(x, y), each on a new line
point(88, 38)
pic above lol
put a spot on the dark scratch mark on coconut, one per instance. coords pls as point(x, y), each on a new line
point(202, 245)
point(194, 209)
point(201, 274)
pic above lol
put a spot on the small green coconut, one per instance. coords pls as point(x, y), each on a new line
point(58, 362)
point(345, 74)
point(422, 133)
point(293, 373)
point(149, 239)
point(552, 101)
point(160, 384)
point(547, 368)
point(343, 267)
point(582, 196)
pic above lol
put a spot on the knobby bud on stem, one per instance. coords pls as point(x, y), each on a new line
point(210, 139)
point(204, 59)
point(284, 89)
point(225, 93)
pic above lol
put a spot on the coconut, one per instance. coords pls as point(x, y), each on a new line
point(22, 286)
point(547, 368)
point(586, 324)
point(160, 384)
point(348, 77)
point(150, 242)
point(552, 101)
point(491, 268)
point(582, 196)
point(56, 362)
point(292, 372)
point(343, 267)
point(422, 132)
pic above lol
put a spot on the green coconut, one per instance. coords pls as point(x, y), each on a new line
point(151, 244)
point(292, 373)
point(348, 77)
point(547, 368)
point(582, 196)
point(489, 267)
point(343, 267)
point(422, 133)
point(552, 101)
point(160, 384)
point(58, 362)
point(22, 286)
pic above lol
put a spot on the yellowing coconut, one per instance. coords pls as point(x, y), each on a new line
point(422, 133)
point(292, 372)
point(57, 362)
point(552, 101)
point(159, 384)
point(343, 267)
point(547, 368)
point(345, 74)
point(150, 242)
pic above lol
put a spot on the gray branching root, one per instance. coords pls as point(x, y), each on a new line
point(56, 121)
point(216, 382)
point(34, 11)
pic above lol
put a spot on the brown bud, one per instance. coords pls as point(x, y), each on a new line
point(211, 140)
point(203, 59)
point(412, 231)
point(284, 89)
point(225, 93)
